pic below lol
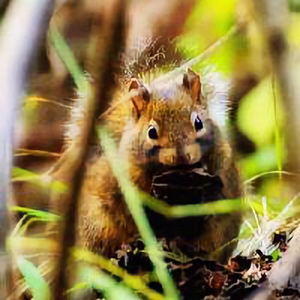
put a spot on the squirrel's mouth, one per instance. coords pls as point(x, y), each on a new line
point(185, 185)
point(182, 185)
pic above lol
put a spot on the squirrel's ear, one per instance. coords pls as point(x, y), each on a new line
point(191, 81)
point(140, 96)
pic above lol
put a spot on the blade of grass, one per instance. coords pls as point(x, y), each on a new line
point(104, 283)
point(94, 99)
point(268, 173)
point(33, 278)
point(207, 53)
point(36, 213)
point(44, 100)
point(19, 174)
point(135, 206)
point(134, 282)
point(278, 135)
point(180, 211)
point(26, 245)
point(262, 161)
point(76, 287)
point(68, 58)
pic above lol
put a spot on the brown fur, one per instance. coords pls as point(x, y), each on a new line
point(104, 220)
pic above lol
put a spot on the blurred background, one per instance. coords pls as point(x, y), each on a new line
point(259, 56)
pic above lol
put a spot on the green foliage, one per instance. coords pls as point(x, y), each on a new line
point(276, 255)
point(210, 20)
point(180, 211)
point(106, 284)
point(34, 279)
point(19, 174)
point(136, 283)
point(41, 215)
point(68, 58)
point(294, 5)
point(261, 161)
point(120, 170)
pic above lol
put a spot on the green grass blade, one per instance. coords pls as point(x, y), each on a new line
point(132, 281)
point(104, 283)
point(68, 58)
point(135, 206)
point(278, 135)
point(20, 175)
point(181, 211)
point(43, 215)
point(34, 279)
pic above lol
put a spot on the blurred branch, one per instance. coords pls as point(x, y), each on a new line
point(71, 165)
point(274, 15)
point(17, 48)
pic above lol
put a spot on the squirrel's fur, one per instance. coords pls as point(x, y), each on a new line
point(170, 105)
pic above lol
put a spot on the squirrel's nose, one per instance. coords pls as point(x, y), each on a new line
point(181, 158)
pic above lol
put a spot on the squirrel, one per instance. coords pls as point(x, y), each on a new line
point(172, 121)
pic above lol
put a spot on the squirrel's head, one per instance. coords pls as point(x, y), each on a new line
point(171, 119)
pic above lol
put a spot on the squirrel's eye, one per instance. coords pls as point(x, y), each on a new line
point(198, 124)
point(152, 133)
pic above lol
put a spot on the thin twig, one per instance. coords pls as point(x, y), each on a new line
point(25, 152)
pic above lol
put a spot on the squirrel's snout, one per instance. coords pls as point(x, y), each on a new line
point(180, 156)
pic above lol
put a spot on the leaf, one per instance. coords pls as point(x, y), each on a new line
point(34, 279)
point(276, 255)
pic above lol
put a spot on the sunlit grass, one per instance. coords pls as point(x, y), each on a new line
point(135, 282)
point(68, 58)
point(42, 180)
point(180, 211)
point(120, 169)
point(106, 284)
point(39, 287)
point(278, 133)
